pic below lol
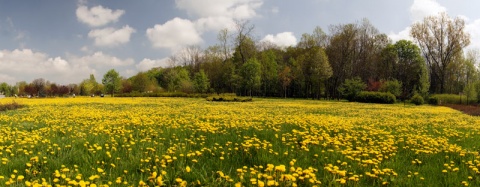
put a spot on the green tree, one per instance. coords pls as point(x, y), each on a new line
point(141, 82)
point(112, 82)
point(251, 75)
point(201, 82)
point(410, 69)
point(5, 89)
point(351, 88)
point(269, 71)
point(392, 86)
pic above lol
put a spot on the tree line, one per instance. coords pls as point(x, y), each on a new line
point(317, 67)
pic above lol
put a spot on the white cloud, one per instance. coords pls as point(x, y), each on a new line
point(402, 35)
point(214, 23)
point(218, 14)
point(283, 39)
point(423, 8)
point(236, 9)
point(98, 15)
point(473, 28)
point(174, 34)
point(110, 37)
point(419, 10)
point(100, 60)
point(25, 64)
point(147, 64)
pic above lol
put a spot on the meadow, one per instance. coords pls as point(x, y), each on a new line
point(268, 142)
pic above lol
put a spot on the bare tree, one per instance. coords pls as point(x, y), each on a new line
point(243, 36)
point(223, 39)
point(441, 39)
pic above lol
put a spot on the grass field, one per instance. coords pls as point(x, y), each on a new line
point(193, 142)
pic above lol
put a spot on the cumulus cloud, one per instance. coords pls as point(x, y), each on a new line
point(283, 39)
point(110, 37)
point(97, 15)
point(423, 8)
point(214, 23)
point(174, 34)
point(402, 35)
point(236, 9)
point(219, 14)
point(419, 10)
point(473, 28)
point(25, 64)
point(208, 15)
point(101, 60)
point(147, 64)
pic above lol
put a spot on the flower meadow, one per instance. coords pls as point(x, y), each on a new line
point(268, 142)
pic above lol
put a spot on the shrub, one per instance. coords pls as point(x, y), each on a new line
point(375, 97)
point(229, 99)
point(417, 99)
point(351, 88)
point(393, 86)
point(10, 106)
point(442, 99)
point(433, 100)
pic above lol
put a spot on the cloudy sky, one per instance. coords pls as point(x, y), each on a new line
point(65, 41)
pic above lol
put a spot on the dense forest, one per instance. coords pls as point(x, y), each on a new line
point(436, 61)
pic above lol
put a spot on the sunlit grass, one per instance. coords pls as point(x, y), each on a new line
point(193, 142)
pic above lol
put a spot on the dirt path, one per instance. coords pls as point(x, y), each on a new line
point(467, 109)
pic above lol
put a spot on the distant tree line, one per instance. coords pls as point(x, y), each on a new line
point(319, 66)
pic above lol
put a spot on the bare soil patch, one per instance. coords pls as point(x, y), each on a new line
point(473, 110)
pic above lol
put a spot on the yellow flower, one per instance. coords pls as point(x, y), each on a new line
point(187, 169)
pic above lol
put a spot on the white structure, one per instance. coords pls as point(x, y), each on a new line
point(2, 96)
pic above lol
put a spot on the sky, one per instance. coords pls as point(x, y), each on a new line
point(66, 41)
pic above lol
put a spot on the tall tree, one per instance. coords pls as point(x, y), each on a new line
point(441, 38)
point(112, 82)
point(141, 82)
point(201, 82)
point(251, 74)
point(410, 68)
point(39, 85)
point(269, 71)
point(244, 42)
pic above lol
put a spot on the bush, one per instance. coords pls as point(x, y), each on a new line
point(10, 106)
point(393, 86)
point(375, 97)
point(229, 99)
point(351, 88)
point(163, 94)
point(417, 99)
point(433, 100)
point(443, 99)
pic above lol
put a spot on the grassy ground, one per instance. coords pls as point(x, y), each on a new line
point(193, 142)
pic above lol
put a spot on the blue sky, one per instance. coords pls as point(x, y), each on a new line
point(65, 41)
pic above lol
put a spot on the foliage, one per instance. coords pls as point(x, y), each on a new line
point(112, 82)
point(351, 88)
point(417, 99)
point(375, 97)
point(392, 86)
point(251, 75)
point(443, 99)
point(201, 82)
